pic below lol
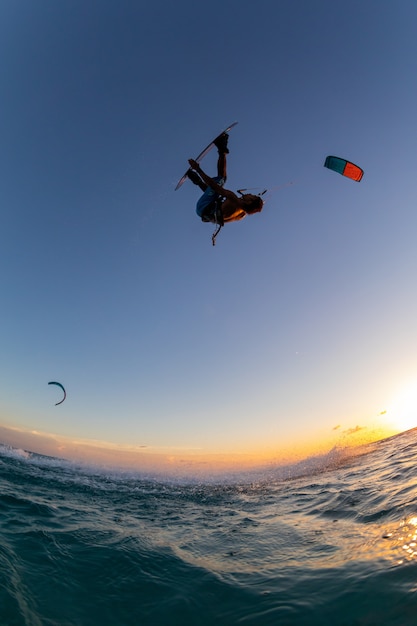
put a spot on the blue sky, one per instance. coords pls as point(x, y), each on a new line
point(301, 318)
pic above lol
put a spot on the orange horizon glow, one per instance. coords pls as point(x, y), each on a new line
point(186, 460)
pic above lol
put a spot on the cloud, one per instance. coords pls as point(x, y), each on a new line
point(352, 431)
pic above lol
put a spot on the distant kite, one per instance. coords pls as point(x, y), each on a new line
point(346, 168)
point(62, 387)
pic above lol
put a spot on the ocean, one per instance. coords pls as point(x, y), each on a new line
point(329, 541)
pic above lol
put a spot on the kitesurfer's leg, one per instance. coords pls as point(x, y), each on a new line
point(222, 166)
point(206, 206)
point(195, 178)
point(221, 144)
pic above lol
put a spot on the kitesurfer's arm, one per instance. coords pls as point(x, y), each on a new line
point(212, 183)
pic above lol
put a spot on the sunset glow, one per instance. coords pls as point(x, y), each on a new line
point(403, 411)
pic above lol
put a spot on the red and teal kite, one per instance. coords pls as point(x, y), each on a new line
point(346, 168)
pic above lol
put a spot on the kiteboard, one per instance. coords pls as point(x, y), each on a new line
point(203, 153)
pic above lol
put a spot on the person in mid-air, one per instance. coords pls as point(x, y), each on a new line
point(219, 205)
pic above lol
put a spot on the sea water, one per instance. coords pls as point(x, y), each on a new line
point(331, 541)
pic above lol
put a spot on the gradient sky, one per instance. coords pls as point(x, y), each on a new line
point(300, 325)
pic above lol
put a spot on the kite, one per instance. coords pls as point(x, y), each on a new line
point(62, 387)
point(346, 168)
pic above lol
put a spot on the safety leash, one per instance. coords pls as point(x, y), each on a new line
point(218, 219)
point(214, 235)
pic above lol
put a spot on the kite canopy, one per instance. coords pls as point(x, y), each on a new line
point(62, 387)
point(346, 168)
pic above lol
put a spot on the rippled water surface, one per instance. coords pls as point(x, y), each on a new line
point(332, 541)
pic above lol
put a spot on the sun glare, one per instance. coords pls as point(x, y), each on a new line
point(403, 410)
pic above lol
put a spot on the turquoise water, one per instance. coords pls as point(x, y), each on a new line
point(331, 541)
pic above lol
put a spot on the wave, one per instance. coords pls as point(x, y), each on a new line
point(331, 539)
point(336, 457)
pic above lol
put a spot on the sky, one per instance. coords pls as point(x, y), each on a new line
point(297, 331)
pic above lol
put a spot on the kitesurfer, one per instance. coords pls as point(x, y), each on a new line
point(219, 205)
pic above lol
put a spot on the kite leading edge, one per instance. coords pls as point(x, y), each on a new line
point(62, 387)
